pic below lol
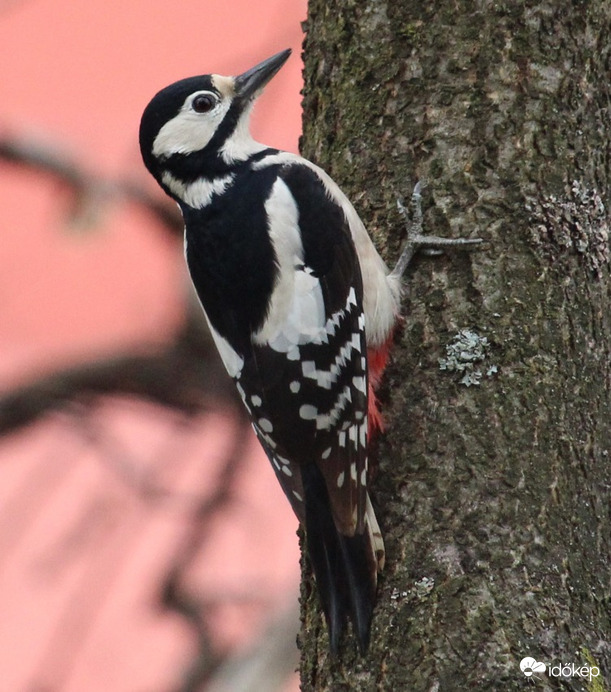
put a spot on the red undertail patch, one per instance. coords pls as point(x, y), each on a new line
point(377, 360)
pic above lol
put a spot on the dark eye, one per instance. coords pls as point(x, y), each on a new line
point(203, 103)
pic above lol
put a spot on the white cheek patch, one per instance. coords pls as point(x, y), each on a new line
point(188, 131)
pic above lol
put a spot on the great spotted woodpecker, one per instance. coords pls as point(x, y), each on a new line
point(302, 310)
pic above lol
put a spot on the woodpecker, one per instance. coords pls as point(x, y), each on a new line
point(301, 307)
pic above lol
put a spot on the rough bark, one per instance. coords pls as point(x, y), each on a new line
point(494, 497)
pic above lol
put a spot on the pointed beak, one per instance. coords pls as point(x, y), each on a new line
point(249, 83)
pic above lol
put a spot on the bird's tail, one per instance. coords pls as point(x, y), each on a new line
point(345, 567)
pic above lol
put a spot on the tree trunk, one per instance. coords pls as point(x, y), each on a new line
point(494, 473)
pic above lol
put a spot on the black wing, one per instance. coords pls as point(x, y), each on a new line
point(306, 389)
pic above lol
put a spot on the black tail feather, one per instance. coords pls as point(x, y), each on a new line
point(325, 554)
point(361, 587)
point(341, 564)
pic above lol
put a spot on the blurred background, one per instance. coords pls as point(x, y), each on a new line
point(145, 545)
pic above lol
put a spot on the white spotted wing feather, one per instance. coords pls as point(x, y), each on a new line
point(309, 368)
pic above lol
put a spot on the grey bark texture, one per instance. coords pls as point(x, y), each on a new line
point(494, 475)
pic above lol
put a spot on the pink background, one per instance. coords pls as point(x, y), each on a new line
point(82, 549)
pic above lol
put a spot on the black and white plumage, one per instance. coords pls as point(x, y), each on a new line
point(295, 295)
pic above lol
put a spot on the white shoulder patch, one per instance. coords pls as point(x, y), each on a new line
point(296, 312)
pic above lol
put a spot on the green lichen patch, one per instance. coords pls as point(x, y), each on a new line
point(465, 354)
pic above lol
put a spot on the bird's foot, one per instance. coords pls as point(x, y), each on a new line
point(418, 241)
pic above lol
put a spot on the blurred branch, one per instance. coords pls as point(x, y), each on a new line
point(174, 595)
point(268, 663)
point(89, 189)
point(140, 477)
point(185, 375)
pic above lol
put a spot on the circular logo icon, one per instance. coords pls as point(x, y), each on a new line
point(529, 666)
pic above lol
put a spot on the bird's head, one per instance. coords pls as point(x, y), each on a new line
point(198, 125)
